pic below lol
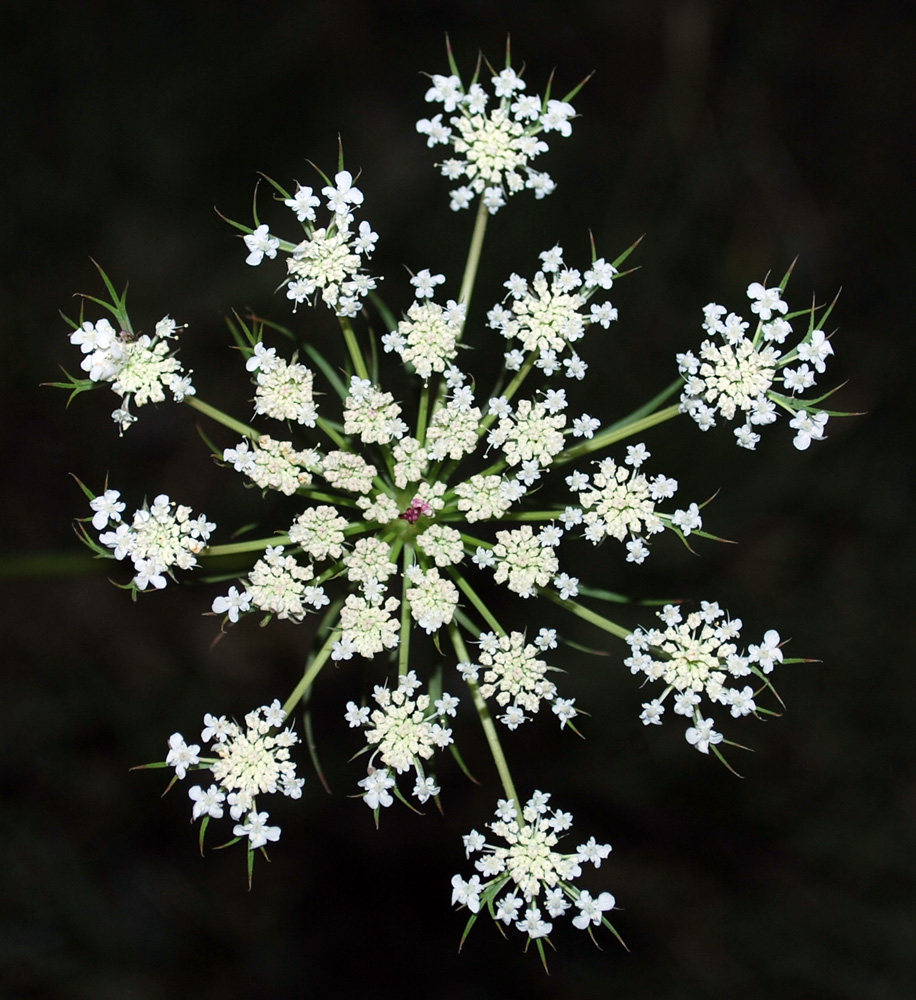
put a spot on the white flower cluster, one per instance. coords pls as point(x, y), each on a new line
point(695, 656)
point(329, 260)
point(529, 873)
point(139, 369)
point(274, 465)
point(157, 538)
point(245, 763)
point(493, 149)
point(428, 337)
point(739, 374)
point(546, 314)
point(619, 502)
point(284, 390)
point(514, 675)
point(406, 732)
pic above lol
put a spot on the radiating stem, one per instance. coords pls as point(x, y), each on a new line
point(473, 261)
point(489, 726)
point(312, 671)
point(404, 644)
point(222, 418)
point(477, 601)
point(423, 413)
point(616, 433)
point(253, 545)
point(605, 624)
point(359, 366)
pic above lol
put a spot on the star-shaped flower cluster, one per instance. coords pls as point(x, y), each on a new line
point(246, 762)
point(696, 656)
point(740, 373)
point(328, 262)
point(405, 731)
point(494, 147)
point(525, 880)
point(139, 369)
point(158, 538)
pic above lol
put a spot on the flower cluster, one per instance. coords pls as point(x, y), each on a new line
point(526, 880)
point(158, 537)
point(493, 148)
point(514, 675)
point(139, 369)
point(739, 374)
point(329, 260)
point(618, 502)
point(546, 314)
point(245, 763)
point(696, 656)
point(398, 513)
point(405, 732)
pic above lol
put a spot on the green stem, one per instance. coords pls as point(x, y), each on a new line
point(332, 432)
point(359, 366)
point(404, 644)
point(473, 261)
point(312, 671)
point(254, 545)
point(49, 564)
point(477, 601)
point(489, 726)
point(532, 515)
point(222, 418)
point(511, 389)
point(616, 433)
point(423, 413)
point(605, 624)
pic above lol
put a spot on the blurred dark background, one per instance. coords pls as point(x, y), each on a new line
point(735, 136)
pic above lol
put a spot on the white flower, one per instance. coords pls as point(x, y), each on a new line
point(181, 756)
point(209, 802)
point(261, 244)
point(233, 603)
point(591, 911)
point(702, 735)
point(257, 831)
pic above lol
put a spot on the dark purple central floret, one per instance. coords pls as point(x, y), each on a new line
point(416, 509)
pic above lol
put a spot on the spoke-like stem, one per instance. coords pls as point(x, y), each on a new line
point(312, 671)
point(253, 545)
point(473, 261)
point(605, 624)
point(616, 433)
point(423, 413)
point(404, 643)
point(511, 389)
point(489, 726)
point(332, 432)
point(532, 515)
point(356, 356)
point(477, 601)
point(222, 418)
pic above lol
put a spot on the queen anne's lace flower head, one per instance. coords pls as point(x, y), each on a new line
point(406, 501)
point(697, 656)
point(139, 369)
point(494, 146)
point(246, 762)
point(741, 374)
point(158, 538)
point(525, 881)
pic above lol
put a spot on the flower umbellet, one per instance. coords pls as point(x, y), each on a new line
point(406, 512)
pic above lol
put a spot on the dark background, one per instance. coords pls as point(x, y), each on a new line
point(735, 136)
